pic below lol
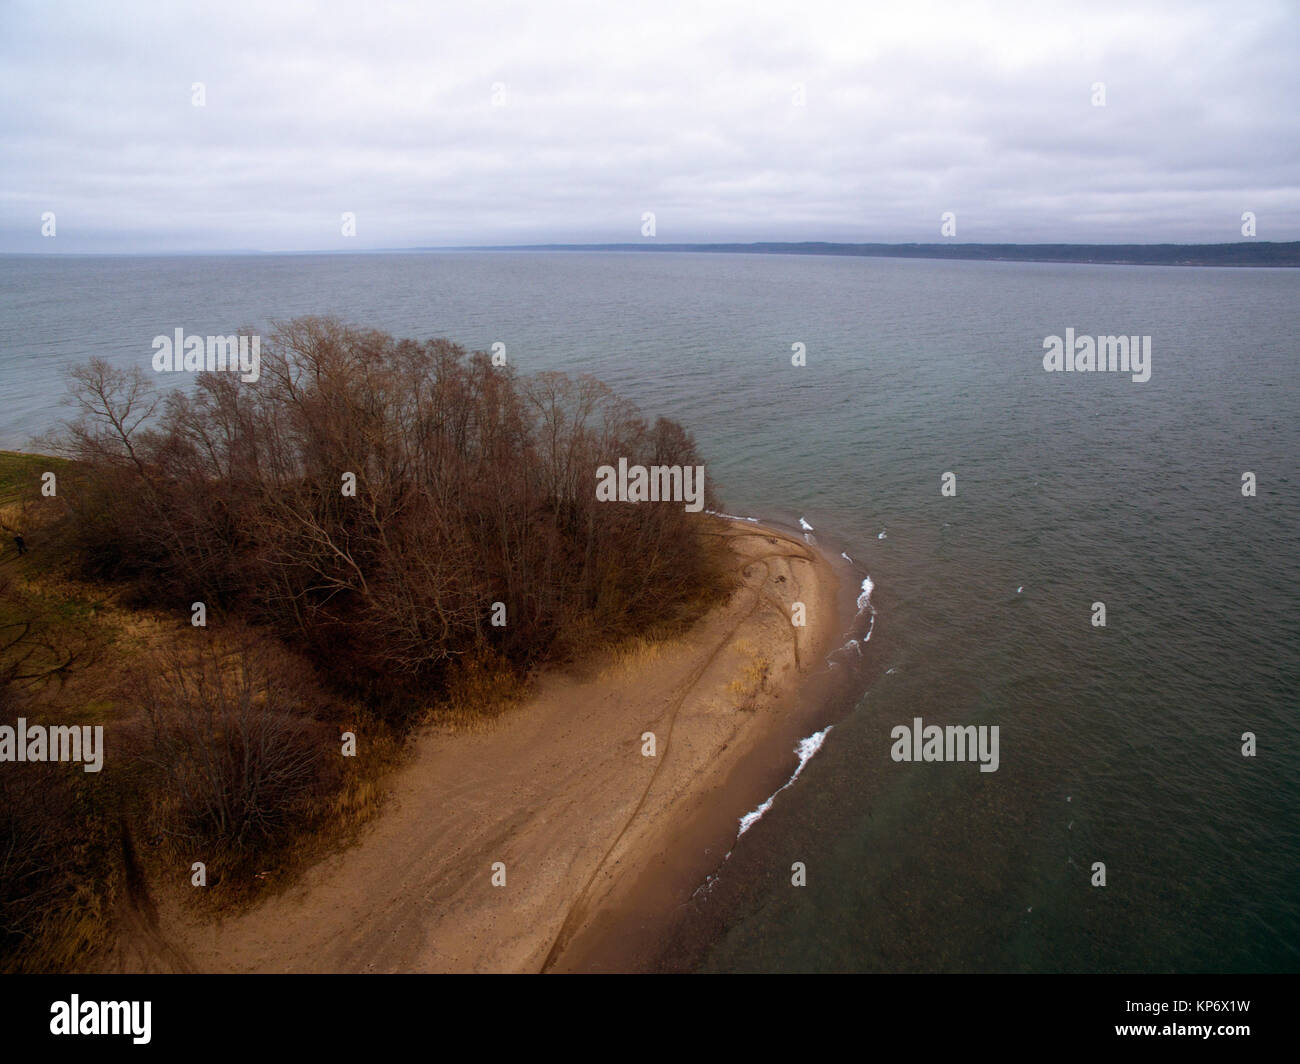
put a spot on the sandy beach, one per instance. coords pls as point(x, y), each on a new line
point(600, 843)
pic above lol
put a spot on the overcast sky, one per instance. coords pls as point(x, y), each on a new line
point(730, 121)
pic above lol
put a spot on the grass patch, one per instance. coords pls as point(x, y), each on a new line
point(753, 680)
point(20, 474)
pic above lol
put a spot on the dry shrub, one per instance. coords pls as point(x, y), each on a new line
point(54, 842)
point(53, 836)
point(41, 866)
point(230, 735)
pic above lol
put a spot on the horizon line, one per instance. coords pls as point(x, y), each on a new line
point(1246, 252)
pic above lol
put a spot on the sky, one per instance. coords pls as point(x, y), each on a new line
point(149, 127)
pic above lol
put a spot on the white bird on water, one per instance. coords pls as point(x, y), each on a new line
point(805, 525)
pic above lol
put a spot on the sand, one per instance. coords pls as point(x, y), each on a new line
point(599, 843)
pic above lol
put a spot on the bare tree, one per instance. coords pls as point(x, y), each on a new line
point(472, 486)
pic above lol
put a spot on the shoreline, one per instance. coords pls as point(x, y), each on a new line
point(644, 924)
point(625, 928)
point(548, 840)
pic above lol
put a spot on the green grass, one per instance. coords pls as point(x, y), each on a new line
point(21, 473)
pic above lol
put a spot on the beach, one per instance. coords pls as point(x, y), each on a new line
point(566, 834)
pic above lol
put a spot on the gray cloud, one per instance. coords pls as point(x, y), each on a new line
point(680, 108)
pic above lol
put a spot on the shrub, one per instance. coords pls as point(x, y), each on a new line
point(244, 766)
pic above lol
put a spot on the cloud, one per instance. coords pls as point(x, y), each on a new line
point(754, 121)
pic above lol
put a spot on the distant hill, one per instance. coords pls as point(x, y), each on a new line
point(1243, 253)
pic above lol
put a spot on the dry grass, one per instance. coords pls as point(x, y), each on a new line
point(633, 653)
point(753, 681)
point(481, 687)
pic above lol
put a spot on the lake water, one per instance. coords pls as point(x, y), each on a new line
point(1120, 744)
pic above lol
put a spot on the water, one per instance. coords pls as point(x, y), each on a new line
point(1120, 745)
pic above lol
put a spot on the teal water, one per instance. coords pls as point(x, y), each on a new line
point(1120, 745)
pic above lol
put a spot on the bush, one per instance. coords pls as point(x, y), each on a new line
point(51, 843)
point(243, 764)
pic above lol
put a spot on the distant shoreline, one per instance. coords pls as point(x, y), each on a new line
point(1242, 253)
point(1245, 253)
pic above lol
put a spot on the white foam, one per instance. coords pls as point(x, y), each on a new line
point(864, 605)
point(730, 517)
point(806, 749)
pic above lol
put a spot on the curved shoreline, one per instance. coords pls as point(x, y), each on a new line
point(598, 841)
point(641, 916)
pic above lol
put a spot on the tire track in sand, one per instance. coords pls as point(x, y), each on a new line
point(578, 910)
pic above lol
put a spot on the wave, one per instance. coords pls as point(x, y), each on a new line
point(858, 636)
point(864, 604)
point(730, 517)
point(806, 749)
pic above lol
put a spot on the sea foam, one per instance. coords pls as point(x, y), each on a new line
point(806, 749)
